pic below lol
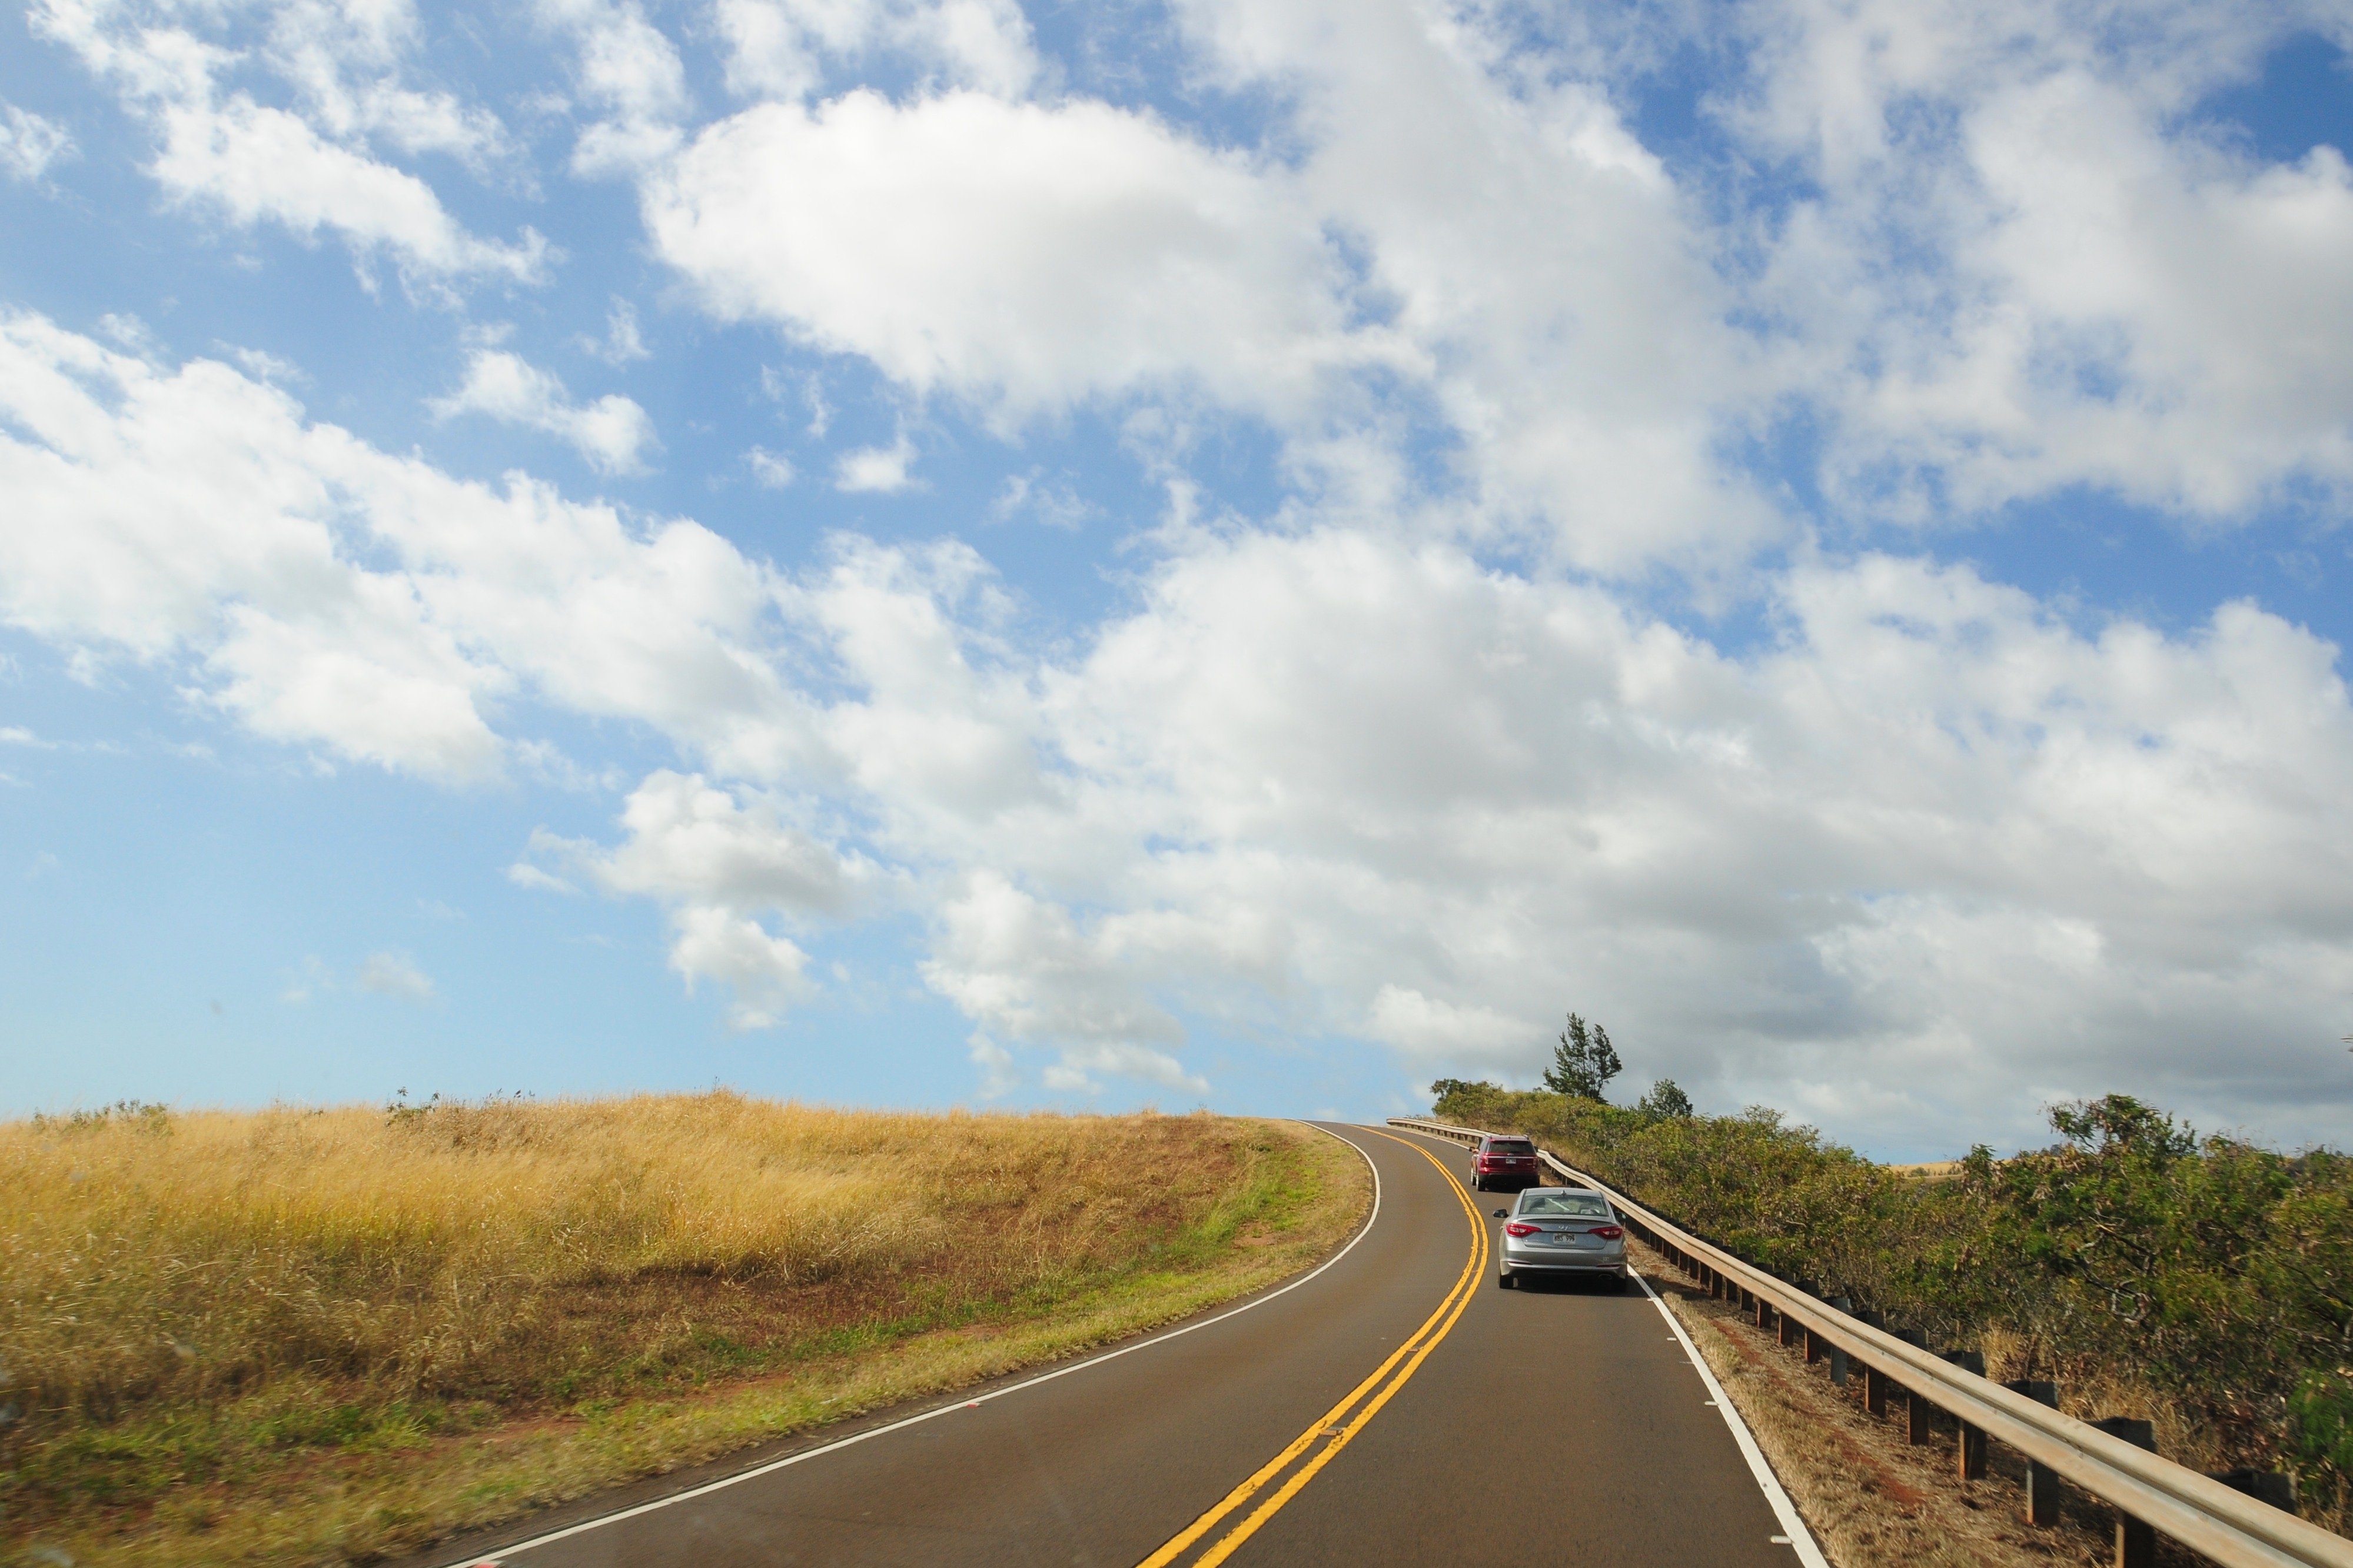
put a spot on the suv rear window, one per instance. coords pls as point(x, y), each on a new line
point(1510, 1146)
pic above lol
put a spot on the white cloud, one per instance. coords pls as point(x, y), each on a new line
point(394, 975)
point(523, 874)
point(1023, 257)
point(780, 49)
point(2029, 264)
point(763, 970)
point(344, 59)
point(718, 862)
point(628, 70)
point(878, 470)
point(612, 433)
point(1070, 1074)
point(774, 471)
point(329, 594)
point(1427, 1027)
point(30, 142)
point(1053, 503)
point(255, 163)
point(1333, 786)
point(687, 840)
point(622, 342)
point(1025, 968)
point(2022, 265)
point(1380, 770)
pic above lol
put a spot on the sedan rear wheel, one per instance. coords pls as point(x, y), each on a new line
point(1503, 1282)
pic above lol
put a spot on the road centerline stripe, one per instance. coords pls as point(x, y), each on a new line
point(1329, 1426)
point(1162, 1337)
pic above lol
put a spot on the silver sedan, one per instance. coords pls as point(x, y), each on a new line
point(1565, 1232)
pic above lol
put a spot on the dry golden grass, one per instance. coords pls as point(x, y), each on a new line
point(321, 1336)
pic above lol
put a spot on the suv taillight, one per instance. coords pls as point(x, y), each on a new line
point(1521, 1227)
point(1606, 1232)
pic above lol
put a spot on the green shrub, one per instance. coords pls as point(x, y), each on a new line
point(2213, 1271)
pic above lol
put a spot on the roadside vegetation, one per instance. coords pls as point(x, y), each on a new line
point(322, 1336)
point(2206, 1283)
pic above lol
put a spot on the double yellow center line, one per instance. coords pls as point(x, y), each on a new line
point(1281, 1477)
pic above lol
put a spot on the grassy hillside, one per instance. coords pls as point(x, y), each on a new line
point(2204, 1283)
point(386, 1325)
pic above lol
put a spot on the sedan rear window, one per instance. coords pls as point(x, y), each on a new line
point(1580, 1205)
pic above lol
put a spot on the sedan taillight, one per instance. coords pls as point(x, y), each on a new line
point(1521, 1227)
point(1607, 1232)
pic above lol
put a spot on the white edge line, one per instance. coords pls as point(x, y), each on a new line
point(1784, 1509)
point(773, 1465)
point(1800, 1538)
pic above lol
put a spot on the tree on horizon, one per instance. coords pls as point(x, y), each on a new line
point(1584, 1062)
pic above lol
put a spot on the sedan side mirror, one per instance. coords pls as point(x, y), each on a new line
point(1503, 1214)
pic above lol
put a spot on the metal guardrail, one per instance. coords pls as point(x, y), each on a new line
point(2218, 1522)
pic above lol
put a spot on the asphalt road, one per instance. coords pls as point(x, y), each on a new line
point(1396, 1408)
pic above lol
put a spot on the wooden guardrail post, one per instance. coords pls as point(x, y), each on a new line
point(1969, 1462)
point(1875, 1382)
point(2042, 1480)
point(1915, 1408)
point(2135, 1542)
point(1838, 1352)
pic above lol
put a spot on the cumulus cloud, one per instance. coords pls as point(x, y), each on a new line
point(390, 975)
point(773, 470)
point(630, 73)
point(30, 142)
point(878, 470)
point(612, 433)
point(781, 49)
point(2018, 263)
point(718, 862)
point(1404, 763)
point(330, 594)
point(307, 168)
point(622, 342)
point(687, 840)
point(763, 970)
point(1931, 820)
point(2028, 263)
point(1070, 1074)
point(1021, 257)
point(1428, 1028)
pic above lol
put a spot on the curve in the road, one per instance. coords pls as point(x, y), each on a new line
point(1546, 1424)
point(1330, 1432)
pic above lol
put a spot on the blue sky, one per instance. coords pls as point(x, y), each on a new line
point(1252, 555)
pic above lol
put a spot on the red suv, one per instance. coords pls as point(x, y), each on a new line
point(1505, 1159)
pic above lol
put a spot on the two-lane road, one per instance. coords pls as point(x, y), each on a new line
point(1393, 1407)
